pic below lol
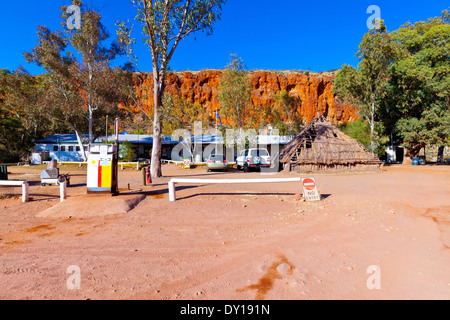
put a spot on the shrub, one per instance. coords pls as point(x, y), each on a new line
point(127, 152)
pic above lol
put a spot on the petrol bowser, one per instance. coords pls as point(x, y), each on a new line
point(102, 168)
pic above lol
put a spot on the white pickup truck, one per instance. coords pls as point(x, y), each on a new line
point(253, 158)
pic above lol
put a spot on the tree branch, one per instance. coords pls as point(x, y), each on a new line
point(151, 34)
point(180, 33)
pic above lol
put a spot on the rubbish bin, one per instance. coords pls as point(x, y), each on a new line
point(147, 176)
point(3, 172)
point(415, 161)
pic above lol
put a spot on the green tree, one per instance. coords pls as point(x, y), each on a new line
point(235, 94)
point(417, 104)
point(179, 112)
point(127, 152)
point(165, 23)
point(13, 136)
point(20, 117)
point(360, 130)
point(364, 87)
point(80, 84)
point(287, 109)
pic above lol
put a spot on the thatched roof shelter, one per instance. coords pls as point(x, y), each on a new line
point(322, 146)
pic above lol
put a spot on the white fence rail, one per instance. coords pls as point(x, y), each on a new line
point(23, 184)
point(72, 163)
point(172, 191)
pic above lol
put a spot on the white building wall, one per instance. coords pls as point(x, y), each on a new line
point(76, 156)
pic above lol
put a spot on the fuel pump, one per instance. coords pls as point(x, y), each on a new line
point(102, 167)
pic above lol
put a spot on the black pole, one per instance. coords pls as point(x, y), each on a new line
point(115, 161)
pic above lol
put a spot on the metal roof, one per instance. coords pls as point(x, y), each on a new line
point(133, 138)
point(147, 139)
point(60, 138)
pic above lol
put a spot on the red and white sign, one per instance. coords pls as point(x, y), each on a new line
point(310, 192)
point(309, 184)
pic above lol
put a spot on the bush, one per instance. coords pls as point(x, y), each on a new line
point(360, 131)
point(127, 152)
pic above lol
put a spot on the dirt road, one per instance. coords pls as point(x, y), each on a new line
point(230, 242)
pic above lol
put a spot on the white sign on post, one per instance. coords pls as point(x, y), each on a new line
point(310, 192)
point(104, 151)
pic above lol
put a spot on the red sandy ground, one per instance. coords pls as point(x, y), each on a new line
point(230, 242)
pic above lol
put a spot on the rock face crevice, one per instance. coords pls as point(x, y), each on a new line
point(314, 92)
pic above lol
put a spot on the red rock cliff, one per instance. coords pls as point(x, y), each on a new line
point(315, 91)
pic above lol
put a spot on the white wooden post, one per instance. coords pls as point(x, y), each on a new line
point(62, 190)
point(172, 195)
point(25, 192)
point(23, 184)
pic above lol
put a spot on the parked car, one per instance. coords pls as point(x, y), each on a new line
point(217, 162)
point(253, 158)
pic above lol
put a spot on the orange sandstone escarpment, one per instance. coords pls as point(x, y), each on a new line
point(313, 91)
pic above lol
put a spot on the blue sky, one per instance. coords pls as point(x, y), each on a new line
point(274, 35)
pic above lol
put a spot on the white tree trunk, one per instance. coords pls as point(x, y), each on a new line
point(157, 142)
point(372, 128)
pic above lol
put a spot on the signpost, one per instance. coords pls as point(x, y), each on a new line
point(310, 192)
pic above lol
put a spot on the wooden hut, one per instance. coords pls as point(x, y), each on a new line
point(323, 147)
